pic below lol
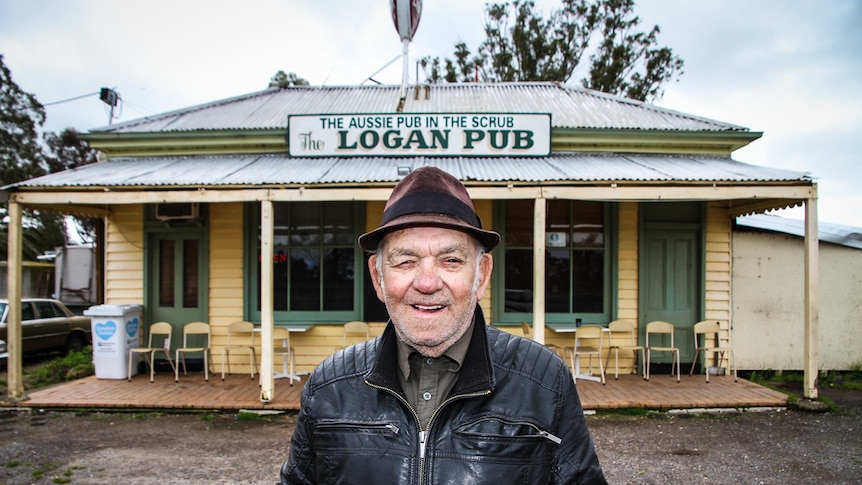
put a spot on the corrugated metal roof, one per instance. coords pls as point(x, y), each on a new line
point(245, 170)
point(844, 235)
point(570, 107)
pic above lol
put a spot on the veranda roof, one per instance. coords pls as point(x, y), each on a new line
point(247, 170)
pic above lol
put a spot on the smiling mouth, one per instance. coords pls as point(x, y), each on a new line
point(428, 308)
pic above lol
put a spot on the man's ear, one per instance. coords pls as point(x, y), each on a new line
point(486, 266)
point(375, 276)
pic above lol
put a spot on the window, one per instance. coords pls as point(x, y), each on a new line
point(47, 309)
point(577, 269)
point(166, 272)
point(26, 311)
point(314, 260)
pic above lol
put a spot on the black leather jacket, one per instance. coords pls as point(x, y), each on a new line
point(513, 416)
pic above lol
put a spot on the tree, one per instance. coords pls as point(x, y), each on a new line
point(626, 61)
point(24, 156)
point(64, 152)
point(286, 80)
point(67, 150)
point(20, 116)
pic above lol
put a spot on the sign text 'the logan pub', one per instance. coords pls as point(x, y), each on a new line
point(420, 134)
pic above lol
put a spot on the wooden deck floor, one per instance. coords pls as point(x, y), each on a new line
point(238, 392)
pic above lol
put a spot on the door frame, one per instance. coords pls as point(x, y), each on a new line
point(153, 235)
point(683, 336)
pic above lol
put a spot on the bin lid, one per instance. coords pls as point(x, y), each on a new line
point(112, 310)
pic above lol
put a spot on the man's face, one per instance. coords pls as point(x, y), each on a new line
point(430, 279)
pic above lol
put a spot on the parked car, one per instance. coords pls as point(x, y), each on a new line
point(47, 325)
point(4, 356)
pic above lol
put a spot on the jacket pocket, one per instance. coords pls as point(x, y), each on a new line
point(361, 452)
point(498, 449)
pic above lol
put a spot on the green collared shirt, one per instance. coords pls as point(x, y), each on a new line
point(426, 381)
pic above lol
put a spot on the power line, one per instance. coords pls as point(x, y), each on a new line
point(107, 95)
point(71, 99)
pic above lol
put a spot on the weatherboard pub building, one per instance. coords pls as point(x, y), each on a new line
point(249, 208)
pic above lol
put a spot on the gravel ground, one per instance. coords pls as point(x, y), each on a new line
point(750, 448)
point(769, 447)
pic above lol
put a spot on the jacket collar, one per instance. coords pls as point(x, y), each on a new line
point(477, 373)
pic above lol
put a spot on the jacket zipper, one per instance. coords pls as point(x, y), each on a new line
point(423, 436)
point(389, 426)
point(555, 439)
point(415, 417)
point(539, 431)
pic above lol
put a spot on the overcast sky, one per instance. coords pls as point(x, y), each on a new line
point(791, 69)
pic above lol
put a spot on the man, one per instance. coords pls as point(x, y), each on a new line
point(439, 397)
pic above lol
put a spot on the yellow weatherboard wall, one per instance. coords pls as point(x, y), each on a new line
point(124, 256)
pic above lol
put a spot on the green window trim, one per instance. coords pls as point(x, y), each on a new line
point(251, 232)
point(506, 317)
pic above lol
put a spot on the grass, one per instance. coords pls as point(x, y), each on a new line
point(147, 415)
point(69, 367)
point(207, 417)
point(625, 412)
point(850, 380)
point(247, 416)
point(847, 380)
point(833, 408)
point(65, 368)
point(764, 377)
point(39, 471)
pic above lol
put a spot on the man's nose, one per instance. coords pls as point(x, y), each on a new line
point(427, 281)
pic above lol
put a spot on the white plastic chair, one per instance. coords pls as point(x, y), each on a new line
point(709, 331)
point(354, 332)
point(149, 352)
point(663, 330)
point(282, 347)
point(594, 334)
point(528, 332)
point(194, 329)
point(626, 331)
point(236, 330)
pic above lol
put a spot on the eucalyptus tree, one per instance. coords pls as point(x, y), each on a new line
point(24, 155)
point(522, 45)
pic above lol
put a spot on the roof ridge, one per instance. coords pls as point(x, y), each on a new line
point(573, 106)
point(187, 109)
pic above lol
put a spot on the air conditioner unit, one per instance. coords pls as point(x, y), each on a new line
point(181, 211)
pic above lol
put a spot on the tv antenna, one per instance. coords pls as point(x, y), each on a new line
point(111, 98)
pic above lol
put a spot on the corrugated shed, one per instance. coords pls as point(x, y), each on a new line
point(262, 170)
point(570, 107)
point(844, 235)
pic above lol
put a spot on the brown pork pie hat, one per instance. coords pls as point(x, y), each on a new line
point(429, 196)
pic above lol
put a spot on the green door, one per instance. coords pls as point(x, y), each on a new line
point(177, 280)
point(670, 285)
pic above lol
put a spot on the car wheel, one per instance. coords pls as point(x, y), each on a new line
point(75, 343)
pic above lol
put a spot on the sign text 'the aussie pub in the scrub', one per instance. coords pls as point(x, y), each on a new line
point(413, 134)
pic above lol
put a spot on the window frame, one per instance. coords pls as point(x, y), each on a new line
point(251, 232)
point(611, 237)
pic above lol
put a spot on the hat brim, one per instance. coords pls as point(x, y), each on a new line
point(370, 241)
